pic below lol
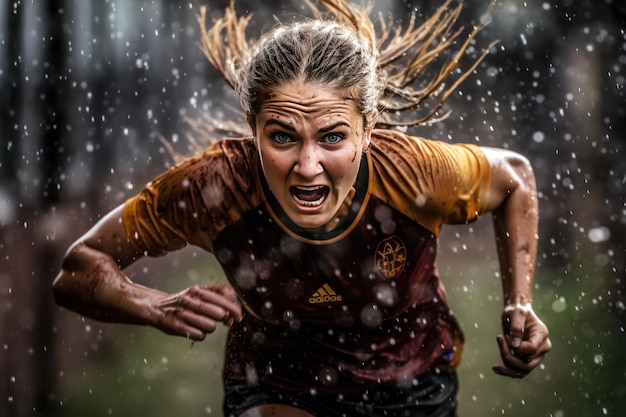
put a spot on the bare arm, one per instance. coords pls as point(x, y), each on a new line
point(91, 282)
point(514, 206)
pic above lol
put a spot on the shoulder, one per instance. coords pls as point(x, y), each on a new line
point(233, 147)
point(225, 173)
point(431, 181)
point(394, 141)
point(237, 152)
point(197, 198)
point(403, 154)
point(217, 163)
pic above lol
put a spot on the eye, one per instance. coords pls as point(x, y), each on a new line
point(333, 138)
point(280, 138)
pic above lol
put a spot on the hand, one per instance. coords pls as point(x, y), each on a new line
point(525, 342)
point(194, 312)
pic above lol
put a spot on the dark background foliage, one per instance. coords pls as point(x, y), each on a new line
point(87, 89)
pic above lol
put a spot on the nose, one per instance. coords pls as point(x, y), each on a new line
point(308, 163)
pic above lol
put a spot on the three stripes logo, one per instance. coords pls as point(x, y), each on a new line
point(325, 294)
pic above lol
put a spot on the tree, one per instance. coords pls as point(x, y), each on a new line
point(31, 260)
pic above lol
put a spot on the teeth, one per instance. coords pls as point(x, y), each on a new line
point(312, 188)
point(308, 203)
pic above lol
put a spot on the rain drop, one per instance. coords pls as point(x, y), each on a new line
point(559, 305)
point(599, 234)
point(538, 137)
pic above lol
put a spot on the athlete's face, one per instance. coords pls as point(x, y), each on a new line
point(310, 138)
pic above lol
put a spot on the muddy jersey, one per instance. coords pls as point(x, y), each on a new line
point(325, 311)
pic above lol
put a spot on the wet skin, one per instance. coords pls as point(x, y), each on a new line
point(310, 139)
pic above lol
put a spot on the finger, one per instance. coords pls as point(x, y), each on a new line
point(510, 359)
point(510, 372)
point(507, 353)
point(516, 365)
point(538, 331)
point(190, 320)
point(198, 310)
point(532, 349)
point(516, 321)
point(537, 342)
point(205, 301)
point(180, 328)
point(184, 315)
point(529, 349)
point(226, 290)
point(224, 297)
point(507, 358)
point(513, 372)
point(187, 316)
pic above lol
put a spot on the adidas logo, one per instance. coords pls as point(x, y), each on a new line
point(324, 294)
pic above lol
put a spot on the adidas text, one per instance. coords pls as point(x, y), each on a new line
point(325, 299)
point(324, 294)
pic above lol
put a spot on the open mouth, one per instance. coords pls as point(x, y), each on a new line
point(310, 196)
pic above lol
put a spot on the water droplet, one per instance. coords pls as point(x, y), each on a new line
point(371, 316)
point(599, 234)
point(559, 305)
point(539, 137)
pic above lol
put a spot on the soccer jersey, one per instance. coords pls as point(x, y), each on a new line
point(325, 311)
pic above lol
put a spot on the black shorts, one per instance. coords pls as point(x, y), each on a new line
point(432, 394)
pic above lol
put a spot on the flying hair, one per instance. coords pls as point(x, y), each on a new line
point(406, 67)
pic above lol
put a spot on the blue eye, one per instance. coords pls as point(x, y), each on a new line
point(333, 138)
point(281, 138)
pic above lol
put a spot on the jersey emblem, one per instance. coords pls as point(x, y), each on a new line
point(324, 294)
point(390, 257)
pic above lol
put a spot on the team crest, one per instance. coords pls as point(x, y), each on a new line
point(390, 257)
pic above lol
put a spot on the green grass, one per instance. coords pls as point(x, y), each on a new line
point(150, 374)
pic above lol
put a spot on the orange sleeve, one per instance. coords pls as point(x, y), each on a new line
point(433, 182)
point(195, 200)
point(159, 217)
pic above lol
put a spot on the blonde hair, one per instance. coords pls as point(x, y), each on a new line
point(389, 72)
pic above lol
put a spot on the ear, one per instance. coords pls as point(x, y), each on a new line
point(370, 122)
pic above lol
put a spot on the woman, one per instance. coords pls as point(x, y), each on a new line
point(326, 227)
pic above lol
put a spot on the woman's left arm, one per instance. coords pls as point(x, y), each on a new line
point(514, 207)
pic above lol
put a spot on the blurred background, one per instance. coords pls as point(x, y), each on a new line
point(90, 92)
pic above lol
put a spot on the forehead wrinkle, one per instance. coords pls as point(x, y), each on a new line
point(298, 105)
point(292, 110)
point(306, 106)
point(326, 121)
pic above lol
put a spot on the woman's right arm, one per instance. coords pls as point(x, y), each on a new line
point(92, 283)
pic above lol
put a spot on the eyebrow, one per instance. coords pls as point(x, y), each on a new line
point(333, 127)
point(290, 128)
point(285, 126)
